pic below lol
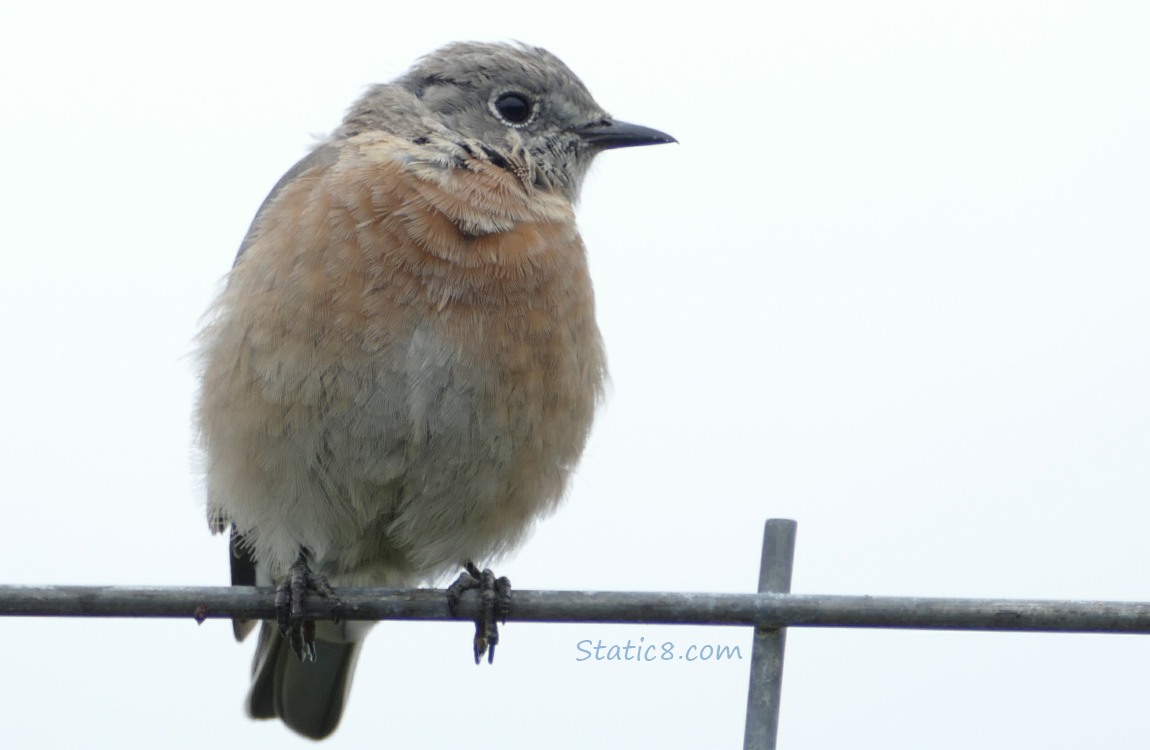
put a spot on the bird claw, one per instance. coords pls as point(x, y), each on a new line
point(291, 595)
point(494, 604)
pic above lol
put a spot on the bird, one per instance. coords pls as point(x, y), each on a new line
point(402, 366)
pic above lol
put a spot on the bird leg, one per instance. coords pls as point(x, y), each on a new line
point(494, 604)
point(290, 599)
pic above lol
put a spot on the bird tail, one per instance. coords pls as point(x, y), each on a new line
point(308, 696)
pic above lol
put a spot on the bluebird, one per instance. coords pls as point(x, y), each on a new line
point(402, 368)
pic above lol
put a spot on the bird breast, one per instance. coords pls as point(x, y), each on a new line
point(403, 367)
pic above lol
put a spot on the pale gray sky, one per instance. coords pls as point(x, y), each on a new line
point(892, 283)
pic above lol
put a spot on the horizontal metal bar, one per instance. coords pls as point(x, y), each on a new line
point(768, 610)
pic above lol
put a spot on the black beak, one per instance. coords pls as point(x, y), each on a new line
point(607, 134)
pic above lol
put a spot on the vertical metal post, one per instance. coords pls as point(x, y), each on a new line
point(765, 691)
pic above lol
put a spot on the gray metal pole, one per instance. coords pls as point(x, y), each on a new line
point(766, 687)
point(649, 607)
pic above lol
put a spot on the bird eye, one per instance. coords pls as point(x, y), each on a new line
point(512, 107)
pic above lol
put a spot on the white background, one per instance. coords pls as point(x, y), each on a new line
point(892, 284)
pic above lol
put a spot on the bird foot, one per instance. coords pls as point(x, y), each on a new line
point(291, 595)
point(494, 604)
